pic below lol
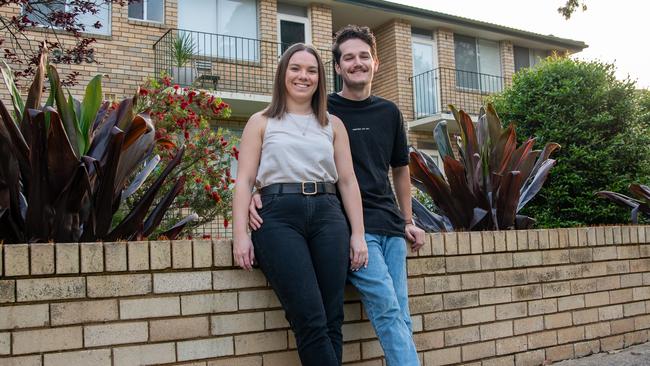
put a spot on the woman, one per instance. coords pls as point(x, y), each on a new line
point(299, 157)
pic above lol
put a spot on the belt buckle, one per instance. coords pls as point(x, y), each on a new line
point(309, 193)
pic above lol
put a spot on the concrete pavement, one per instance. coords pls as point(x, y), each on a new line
point(638, 355)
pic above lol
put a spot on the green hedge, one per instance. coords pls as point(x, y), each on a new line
point(598, 121)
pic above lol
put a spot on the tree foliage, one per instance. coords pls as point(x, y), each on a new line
point(597, 120)
point(570, 7)
point(58, 17)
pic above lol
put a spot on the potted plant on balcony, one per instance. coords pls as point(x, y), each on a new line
point(183, 49)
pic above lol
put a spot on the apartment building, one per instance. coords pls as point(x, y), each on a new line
point(428, 59)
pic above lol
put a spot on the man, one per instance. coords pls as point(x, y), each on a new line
point(378, 142)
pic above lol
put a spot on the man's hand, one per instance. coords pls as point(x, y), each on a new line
point(254, 219)
point(415, 236)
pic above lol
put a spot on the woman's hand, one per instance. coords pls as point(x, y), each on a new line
point(358, 252)
point(243, 252)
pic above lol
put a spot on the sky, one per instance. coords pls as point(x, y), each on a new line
point(616, 31)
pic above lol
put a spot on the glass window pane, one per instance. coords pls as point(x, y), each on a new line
point(422, 57)
point(199, 16)
point(40, 12)
point(155, 10)
point(489, 66)
point(136, 10)
point(536, 56)
point(424, 80)
point(466, 62)
point(290, 33)
point(102, 16)
point(238, 19)
point(521, 58)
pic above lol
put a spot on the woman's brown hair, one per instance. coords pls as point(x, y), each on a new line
point(278, 106)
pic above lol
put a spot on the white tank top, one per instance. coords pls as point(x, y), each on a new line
point(296, 149)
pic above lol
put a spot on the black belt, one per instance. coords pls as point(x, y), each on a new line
point(306, 188)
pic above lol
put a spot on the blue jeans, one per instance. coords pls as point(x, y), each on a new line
point(384, 294)
point(303, 249)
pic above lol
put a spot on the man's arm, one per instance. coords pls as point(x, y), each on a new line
point(402, 183)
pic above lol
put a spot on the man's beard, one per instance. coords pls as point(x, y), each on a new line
point(356, 85)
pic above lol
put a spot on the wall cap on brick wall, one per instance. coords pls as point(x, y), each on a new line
point(19, 260)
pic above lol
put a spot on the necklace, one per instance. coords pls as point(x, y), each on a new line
point(306, 123)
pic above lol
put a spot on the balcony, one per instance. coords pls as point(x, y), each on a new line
point(240, 69)
point(435, 89)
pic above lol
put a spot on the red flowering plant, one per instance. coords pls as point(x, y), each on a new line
point(182, 116)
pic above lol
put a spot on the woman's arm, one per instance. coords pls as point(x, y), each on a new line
point(250, 149)
point(350, 194)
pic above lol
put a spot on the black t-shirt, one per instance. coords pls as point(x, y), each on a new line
point(377, 140)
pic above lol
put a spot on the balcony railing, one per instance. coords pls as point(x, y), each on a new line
point(225, 63)
point(435, 89)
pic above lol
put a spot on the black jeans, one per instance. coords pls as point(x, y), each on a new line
point(303, 249)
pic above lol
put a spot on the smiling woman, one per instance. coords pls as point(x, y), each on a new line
point(299, 158)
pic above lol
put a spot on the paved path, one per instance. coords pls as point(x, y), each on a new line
point(638, 355)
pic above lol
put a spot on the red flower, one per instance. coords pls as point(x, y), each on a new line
point(216, 196)
point(225, 223)
point(143, 91)
point(207, 187)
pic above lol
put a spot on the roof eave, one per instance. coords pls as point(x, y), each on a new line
point(561, 43)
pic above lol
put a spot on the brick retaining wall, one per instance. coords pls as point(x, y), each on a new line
point(491, 298)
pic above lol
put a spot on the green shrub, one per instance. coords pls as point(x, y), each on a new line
point(596, 119)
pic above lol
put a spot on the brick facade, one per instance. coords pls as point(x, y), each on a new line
point(395, 65)
point(507, 61)
point(320, 17)
point(126, 55)
point(476, 298)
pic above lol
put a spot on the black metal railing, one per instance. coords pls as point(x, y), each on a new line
point(224, 63)
point(435, 89)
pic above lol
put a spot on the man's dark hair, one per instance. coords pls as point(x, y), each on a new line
point(351, 31)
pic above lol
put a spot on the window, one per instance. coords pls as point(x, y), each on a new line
point(293, 26)
point(528, 57)
point(478, 64)
point(149, 10)
point(425, 75)
point(88, 20)
point(221, 28)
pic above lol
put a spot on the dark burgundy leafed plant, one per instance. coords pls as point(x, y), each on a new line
point(66, 165)
point(639, 203)
point(489, 184)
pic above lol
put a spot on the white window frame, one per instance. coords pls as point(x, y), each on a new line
point(89, 29)
point(296, 19)
point(144, 13)
point(431, 41)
